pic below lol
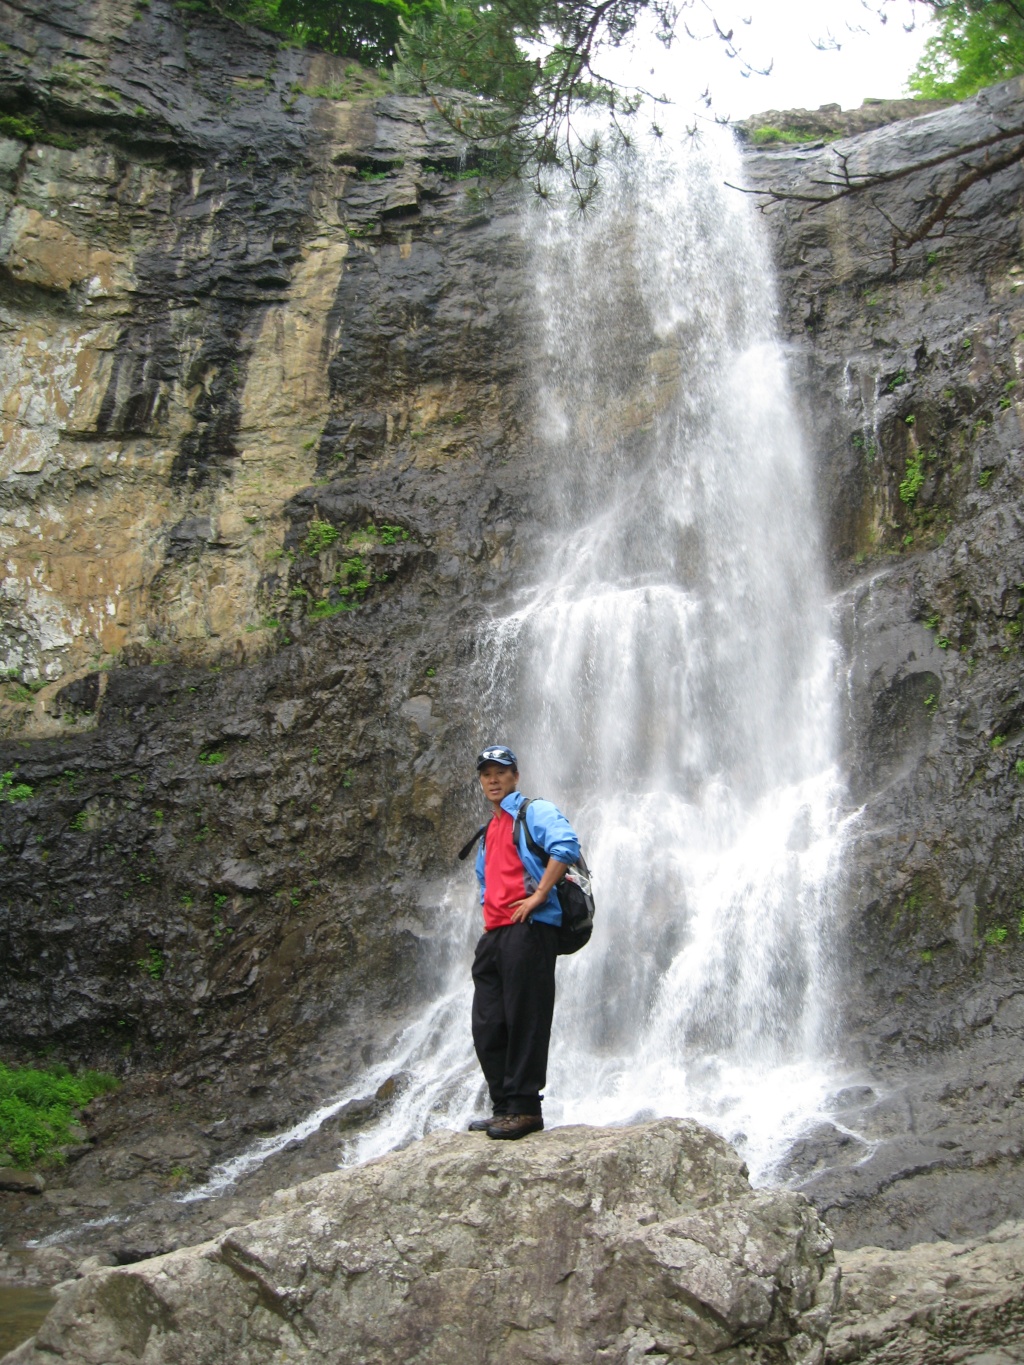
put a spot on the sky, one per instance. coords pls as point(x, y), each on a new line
point(820, 52)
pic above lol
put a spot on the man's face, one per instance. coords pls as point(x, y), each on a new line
point(497, 780)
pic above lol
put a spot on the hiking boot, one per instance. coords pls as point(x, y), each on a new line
point(512, 1126)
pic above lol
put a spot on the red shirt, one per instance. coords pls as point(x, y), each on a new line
point(504, 874)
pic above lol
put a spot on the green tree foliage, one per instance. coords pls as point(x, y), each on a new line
point(365, 30)
point(518, 74)
point(979, 43)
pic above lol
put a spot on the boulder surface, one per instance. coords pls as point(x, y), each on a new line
point(586, 1245)
point(940, 1302)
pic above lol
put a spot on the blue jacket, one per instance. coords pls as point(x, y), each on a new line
point(556, 836)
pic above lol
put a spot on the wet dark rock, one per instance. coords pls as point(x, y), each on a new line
point(825, 1146)
point(21, 1182)
point(896, 361)
point(81, 696)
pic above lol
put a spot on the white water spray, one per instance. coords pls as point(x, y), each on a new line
point(668, 680)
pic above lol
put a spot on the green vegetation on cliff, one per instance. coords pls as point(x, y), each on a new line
point(979, 43)
point(366, 30)
point(37, 1109)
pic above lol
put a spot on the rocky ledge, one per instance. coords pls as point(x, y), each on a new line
point(611, 1245)
point(939, 1302)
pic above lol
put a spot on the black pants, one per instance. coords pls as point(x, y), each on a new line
point(513, 1001)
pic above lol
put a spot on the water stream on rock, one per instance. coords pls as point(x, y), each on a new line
point(667, 679)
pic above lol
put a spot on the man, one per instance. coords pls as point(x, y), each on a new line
point(514, 967)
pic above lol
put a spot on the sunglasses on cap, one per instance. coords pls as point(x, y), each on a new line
point(498, 754)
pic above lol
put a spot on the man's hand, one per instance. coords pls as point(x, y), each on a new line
point(552, 874)
point(521, 909)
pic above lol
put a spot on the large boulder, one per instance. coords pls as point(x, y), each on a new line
point(585, 1245)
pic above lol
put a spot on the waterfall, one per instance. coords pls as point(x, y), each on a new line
point(667, 679)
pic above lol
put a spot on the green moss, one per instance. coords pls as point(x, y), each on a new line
point(25, 130)
point(36, 1109)
point(767, 134)
point(11, 125)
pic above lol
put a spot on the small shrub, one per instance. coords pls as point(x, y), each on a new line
point(353, 577)
point(321, 610)
point(212, 757)
point(767, 134)
point(12, 791)
point(36, 1108)
point(390, 535)
point(152, 964)
point(79, 821)
point(320, 536)
point(913, 479)
point(12, 125)
point(996, 935)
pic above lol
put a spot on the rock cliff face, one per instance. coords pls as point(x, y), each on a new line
point(911, 376)
point(612, 1245)
point(261, 387)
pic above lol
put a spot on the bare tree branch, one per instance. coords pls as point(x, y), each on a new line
point(936, 206)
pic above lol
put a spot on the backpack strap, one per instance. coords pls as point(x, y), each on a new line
point(522, 823)
point(467, 849)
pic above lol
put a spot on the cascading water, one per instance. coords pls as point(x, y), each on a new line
point(667, 679)
point(670, 678)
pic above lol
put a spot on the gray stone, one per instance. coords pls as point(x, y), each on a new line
point(21, 1182)
point(941, 1303)
point(583, 1245)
